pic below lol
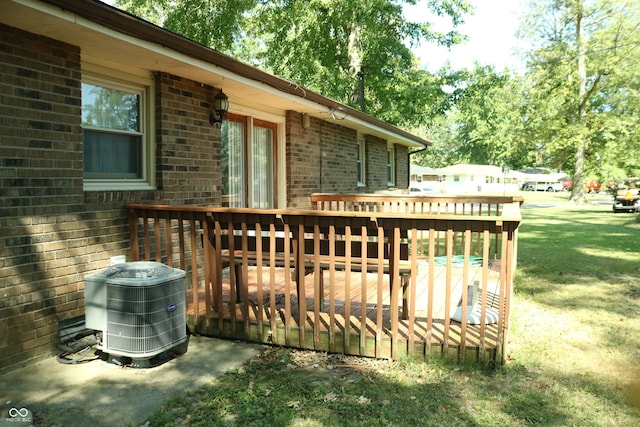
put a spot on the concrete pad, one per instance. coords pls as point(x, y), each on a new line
point(98, 393)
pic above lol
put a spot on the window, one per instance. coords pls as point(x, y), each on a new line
point(262, 166)
point(360, 166)
point(391, 170)
point(233, 141)
point(116, 135)
point(248, 162)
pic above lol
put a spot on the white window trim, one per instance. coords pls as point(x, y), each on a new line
point(391, 165)
point(96, 74)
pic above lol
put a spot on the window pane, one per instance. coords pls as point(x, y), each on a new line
point(233, 164)
point(110, 108)
point(111, 155)
point(262, 168)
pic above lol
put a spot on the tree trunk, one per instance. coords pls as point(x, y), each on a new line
point(577, 193)
point(355, 67)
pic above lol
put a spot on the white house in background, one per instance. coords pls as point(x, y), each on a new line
point(419, 174)
point(423, 179)
point(469, 178)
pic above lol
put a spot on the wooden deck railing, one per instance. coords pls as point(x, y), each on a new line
point(430, 205)
point(340, 281)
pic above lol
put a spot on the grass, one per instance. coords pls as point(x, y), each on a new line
point(574, 350)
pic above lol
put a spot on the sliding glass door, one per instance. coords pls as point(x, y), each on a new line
point(248, 163)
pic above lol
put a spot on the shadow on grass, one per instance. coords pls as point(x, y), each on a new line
point(583, 248)
point(276, 389)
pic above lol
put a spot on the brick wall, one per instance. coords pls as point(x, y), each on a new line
point(188, 148)
point(303, 160)
point(338, 158)
point(320, 159)
point(376, 163)
point(402, 166)
point(54, 233)
point(323, 159)
point(41, 195)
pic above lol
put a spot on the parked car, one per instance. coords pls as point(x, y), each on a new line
point(567, 185)
point(625, 195)
point(549, 186)
point(592, 187)
point(421, 191)
point(528, 186)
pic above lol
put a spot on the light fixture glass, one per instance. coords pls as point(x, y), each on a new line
point(220, 108)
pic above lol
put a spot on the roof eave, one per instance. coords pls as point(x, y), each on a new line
point(125, 23)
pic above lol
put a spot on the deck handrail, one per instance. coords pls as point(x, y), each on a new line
point(181, 235)
point(436, 204)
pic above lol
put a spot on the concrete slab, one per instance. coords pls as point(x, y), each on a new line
point(98, 393)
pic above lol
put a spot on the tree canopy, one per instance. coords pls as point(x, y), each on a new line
point(574, 108)
point(580, 65)
point(356, 52)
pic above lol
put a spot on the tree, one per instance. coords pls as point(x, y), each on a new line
point(352, 51)
point(213, 23)
point(485, 122)
point(580, 54)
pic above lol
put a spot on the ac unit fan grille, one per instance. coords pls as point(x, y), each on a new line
point(143, 321)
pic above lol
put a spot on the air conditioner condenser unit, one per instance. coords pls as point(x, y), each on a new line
point(139, 307)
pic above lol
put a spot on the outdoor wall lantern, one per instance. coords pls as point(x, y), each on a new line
point(220, 108)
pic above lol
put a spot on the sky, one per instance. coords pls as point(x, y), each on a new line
point(491, 31)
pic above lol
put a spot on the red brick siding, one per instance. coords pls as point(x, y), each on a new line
point(42, 251)
point(402, 167)
point(376, 163)
point(188, 148)
point(54, 233)
point(303, 160)
point(320, 159)
point(323, 159)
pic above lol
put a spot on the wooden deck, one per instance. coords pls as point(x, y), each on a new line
point(429, 258)
point(265, 307)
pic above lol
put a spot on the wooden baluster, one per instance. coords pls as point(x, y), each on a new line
point(332, 287)
point(363, 292)
point(347, 289)
point(317, 285)
point(287, 282)
point(194, 268)
point(207, 263)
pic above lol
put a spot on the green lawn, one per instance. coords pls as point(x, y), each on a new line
point(574, 350)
